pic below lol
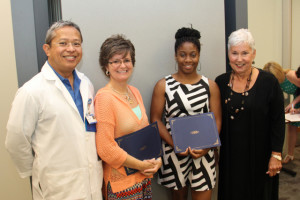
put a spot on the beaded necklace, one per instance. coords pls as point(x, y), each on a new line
point(234, 111)
point(127, 97)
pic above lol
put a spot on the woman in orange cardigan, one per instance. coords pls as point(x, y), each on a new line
point(119, 110)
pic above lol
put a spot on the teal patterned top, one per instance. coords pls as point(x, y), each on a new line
point(290, 88)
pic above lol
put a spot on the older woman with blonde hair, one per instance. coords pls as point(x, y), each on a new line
point(253, 126)
point(276, 69)
point(287, 79)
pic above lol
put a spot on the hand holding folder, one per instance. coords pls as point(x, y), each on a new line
point(143, 144)
point(196, 131)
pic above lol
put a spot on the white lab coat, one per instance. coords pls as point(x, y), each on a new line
point(45, 120)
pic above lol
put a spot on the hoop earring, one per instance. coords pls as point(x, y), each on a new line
point(199, 67)
point(107, 73)
point(176, 68)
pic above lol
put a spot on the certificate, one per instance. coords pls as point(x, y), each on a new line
point(292, 117)
point(143, 144)
point(196, 131)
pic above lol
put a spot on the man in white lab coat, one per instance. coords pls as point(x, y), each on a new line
point(51, 128)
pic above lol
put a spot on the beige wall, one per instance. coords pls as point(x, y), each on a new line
point(265, 23)
point(286, 33)
point(295, 60)
point(12, 187)
point(276, 29)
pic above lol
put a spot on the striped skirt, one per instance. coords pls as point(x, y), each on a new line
point(177, 172)
point(138, 191)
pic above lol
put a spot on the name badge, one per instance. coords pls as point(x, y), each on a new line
point(90, 118)
point(90, 127)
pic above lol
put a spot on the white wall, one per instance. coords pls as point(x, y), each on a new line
point(265, 24)
point(12, 187)
point(151, 26)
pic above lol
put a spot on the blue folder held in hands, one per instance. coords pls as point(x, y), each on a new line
point(196, 131)
point(143, 144)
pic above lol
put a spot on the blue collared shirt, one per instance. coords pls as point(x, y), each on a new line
point(75, 94)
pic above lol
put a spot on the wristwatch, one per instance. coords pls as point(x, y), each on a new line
point(277, 157)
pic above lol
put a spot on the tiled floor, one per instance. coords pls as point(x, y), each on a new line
point(289, 186)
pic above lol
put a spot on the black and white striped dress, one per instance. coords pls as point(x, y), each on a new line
point(177, 171)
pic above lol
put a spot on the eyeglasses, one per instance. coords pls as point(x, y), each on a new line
point(117, 63)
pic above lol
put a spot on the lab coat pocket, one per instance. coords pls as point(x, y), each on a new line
point(68, 185)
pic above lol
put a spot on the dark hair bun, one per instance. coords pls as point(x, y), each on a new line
point(187, 32)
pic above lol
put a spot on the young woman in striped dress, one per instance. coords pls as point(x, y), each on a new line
point(181, 94)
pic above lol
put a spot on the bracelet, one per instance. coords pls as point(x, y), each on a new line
point(277, 157)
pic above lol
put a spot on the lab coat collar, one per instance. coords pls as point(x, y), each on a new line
point(50, 75)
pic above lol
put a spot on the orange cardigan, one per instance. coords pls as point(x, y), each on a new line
point(115, 118)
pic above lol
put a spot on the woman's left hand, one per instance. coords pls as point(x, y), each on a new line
point(157, 164)
point(197, 153)
point(288, 108)
point(274, 166)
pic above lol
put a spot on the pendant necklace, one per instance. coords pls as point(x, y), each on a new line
point(127, 97)
point(234, 111)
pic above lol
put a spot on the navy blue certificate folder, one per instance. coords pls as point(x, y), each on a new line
point(143, 144)
point(196, 131)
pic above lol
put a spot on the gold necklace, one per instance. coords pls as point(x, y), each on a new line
point(127, 97)
point(234, 111)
